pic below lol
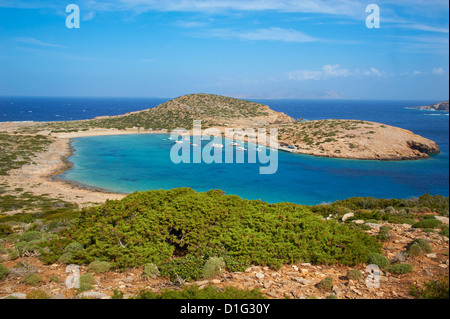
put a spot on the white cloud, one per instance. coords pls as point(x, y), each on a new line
point(417, 73)
point(372, 72)
point(269, 34)
point(304, 75)
point(88, 16)
point(38, 42)
point(335, 70)
point(438, 71)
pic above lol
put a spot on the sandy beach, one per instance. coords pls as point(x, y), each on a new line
point(41, 177)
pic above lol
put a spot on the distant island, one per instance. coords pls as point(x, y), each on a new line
point(442, 106)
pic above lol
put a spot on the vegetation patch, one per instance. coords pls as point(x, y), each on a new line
point(181, 229)
point(400, 269)
point(208, 293)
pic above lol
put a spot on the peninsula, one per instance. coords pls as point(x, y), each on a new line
point(442, 106)
point(347, 139)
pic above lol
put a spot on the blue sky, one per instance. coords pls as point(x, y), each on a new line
point(244, 48)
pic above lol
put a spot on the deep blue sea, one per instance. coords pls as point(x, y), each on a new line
point(142, 162)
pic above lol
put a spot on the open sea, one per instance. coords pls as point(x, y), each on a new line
point(142, 162)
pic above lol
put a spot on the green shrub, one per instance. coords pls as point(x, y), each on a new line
point(119, 295)
point(326, 284)
point(208, 293)
point(213, 268)
point(37, 294)
point(332, 297)
point(379, 260)
point(4, 272)
point(32, 279)
point(414, 250)
point(99, 267)
point(428, 223)
point(73, 247)
point(186, 268)
point(424, 245)
point(150, 270)
point(5, 230)
point(400, 269)
point(385, 233)
point(444, 232)
point(66, 258)
point(159, 226)
point(438, 289)
point(55, 279)
point(30, 236)
point(87, 283)
point(354, 274)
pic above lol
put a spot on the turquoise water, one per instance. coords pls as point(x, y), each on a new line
point(130, 163)
point(142, 162)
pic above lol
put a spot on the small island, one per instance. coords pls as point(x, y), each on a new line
point(348, 139)
point(442, 106)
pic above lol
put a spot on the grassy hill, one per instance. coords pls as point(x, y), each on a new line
point(212, 110)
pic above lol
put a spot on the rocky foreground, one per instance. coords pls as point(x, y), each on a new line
point(291, 281)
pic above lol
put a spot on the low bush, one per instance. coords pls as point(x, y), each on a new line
point(37, 294)
point(32, 279)
point(400, 269)
point(414, 250)
point(437, 289)
point(73, 247)
point(150, 270)
point(385, 233)
point(4, 272)
point(160, 226)
point(87, 283)
point(424, 245)
point(213, 268)
point(99, 267)
point(379, 260)
point(208, 293)
point(354, 274)
point(428, 223)
point(30, 236)
point(66, 258)
point(326, 284)
point(444, 232)
point(54, 279)
point(186, 268)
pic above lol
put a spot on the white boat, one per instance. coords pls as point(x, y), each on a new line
point(243, 149)
point(217, 146)
point(235, 144)
point(194, 145)
point(179, 142)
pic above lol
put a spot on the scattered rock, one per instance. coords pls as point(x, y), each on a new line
point(359, 222)
point(259, 275)
point(94, 295)
point(431, 256)
point(444, 220)
point(347, 216)
point(374, 226)
point(58, 297)
point(400, 258)
point(17, 295)
point(444, 266)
